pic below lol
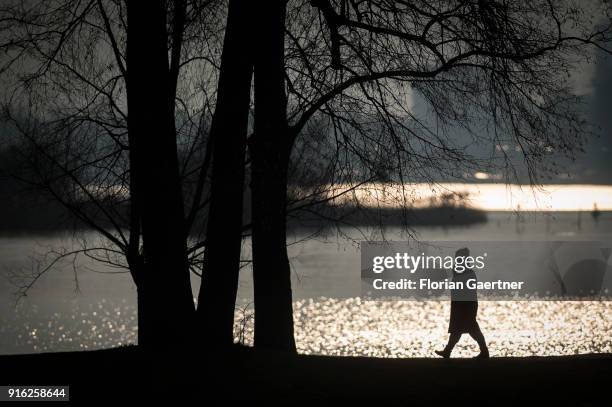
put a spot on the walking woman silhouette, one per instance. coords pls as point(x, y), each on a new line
point(464, 308)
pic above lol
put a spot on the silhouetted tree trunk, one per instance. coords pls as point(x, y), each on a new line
point(217, 297)
point(270, 149)
point(165, 299)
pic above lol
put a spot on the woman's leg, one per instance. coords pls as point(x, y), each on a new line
point(452, 341)
point(477, 335)
point(453, 338)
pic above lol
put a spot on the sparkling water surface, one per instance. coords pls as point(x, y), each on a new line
point(346, 327)
point(330, 317)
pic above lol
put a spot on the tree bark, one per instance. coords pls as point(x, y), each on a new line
point(217, 297)
point(165, 299)
point(270, 149)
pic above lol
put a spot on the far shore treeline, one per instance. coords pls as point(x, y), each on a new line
point(29, 209)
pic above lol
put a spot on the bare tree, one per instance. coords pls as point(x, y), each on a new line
point(270, 149)
point(73, 70)
point(217, 296)
point(164, 289)
point(491, 73)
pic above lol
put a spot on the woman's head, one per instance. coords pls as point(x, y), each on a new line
point(460, 259)
point(464, 252)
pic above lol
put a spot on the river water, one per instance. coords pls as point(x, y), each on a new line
point(83, 305)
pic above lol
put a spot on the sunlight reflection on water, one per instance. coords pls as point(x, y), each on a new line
point(92, 326)
point(354, 327)
point(416, 329)
point(348, 327)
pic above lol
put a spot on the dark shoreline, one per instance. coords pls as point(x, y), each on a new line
point(330, 217)
point(423, 217)
point(245, 375)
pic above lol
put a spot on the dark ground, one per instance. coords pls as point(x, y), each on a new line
point(244, 376)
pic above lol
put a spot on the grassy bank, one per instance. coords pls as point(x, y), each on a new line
point(245, 375)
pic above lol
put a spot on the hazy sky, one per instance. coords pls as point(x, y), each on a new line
point(593, 81)
point(596, 165)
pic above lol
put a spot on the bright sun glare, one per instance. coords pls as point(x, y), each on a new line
point(492, 197)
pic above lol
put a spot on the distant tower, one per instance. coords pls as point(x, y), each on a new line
point(519, 220)
point(595, 213)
